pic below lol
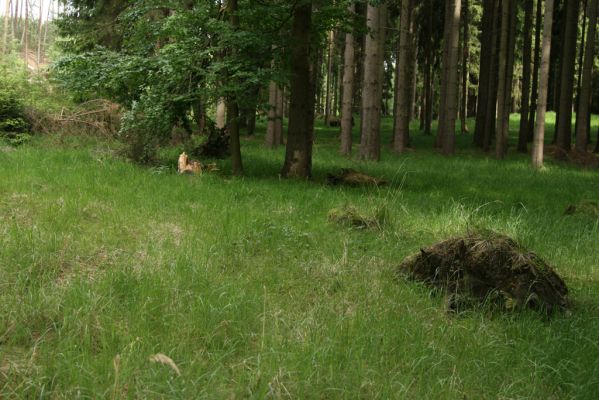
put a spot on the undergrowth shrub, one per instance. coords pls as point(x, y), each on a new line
point(14, 126)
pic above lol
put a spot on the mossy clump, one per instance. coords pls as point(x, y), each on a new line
point(488, 267)
point(585, 207)
point(355, 218)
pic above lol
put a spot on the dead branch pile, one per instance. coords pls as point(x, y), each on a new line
point(98, 117)
point(350, 177)
point(488, 267)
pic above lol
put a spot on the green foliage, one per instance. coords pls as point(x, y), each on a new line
point(13, 122)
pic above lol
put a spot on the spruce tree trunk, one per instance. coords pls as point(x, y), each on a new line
point(428, 74)
point(372, 87)
point(39, 34)
point(270, 138)
point(298, 154)
point(443, 87)
point(465, 67)
point(233, 105)
point(348, 90)
point(405, 78)
point(539, 132)
point(535, 72)
point(506, 72)
point(450, 102)
point(564, 127)
point(526, 72)
point(279, 116)
point(26, 35)
point(583, 115)
point(486, 56)
point(329, 78)
point(5, 31)
point(491, 111)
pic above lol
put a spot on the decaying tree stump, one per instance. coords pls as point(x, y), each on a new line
point(187, 166)
point(487, 267)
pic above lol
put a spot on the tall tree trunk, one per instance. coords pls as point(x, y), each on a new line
point(279, 116)
point(5, 31)
point(583, 115)
point(491, 111)
point(564, 128)
point(535, 72)
point(39, 34)
point(449, 102)
point(233, 105)
point(486, 60)
point(370, 148)
point(298, 155)
point(348, 90)
point(539, 133)
point(329, 78)
point(428, 74)
point(270, 138)
point(526, 70)
point(405, 78)
point(506, 73)
point(26, 35)
point(465, 67)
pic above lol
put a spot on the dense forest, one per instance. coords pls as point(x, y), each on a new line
point(268, 199)
point(193, 64)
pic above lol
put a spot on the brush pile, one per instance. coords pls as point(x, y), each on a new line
point(350, 177)
point(488, 267)
point(352, 217)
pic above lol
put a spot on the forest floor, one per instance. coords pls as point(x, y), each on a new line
point(253, 293)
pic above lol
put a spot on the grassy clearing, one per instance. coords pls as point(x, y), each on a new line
point(253, 293)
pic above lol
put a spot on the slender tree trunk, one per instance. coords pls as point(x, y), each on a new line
point(486, 61)
point(26, 34)
point(233, 105)
point(535, 72)
point(270, 138)
point(372, 87)
point(465, 67)
point(450, 103)
point(44, 41)
point(298, 155)
point(539, 133)
point(503, 90)
point(428, 77)
point(5, 31)
point(491, 111)
point(329, 78)
point(348, 90)
point(405, 78)
point(564, 128)
point(279, 116)
point(443, 87)
point(526, 72)
point(583, 115)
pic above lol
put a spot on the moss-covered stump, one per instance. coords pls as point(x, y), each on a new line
point(488, 267)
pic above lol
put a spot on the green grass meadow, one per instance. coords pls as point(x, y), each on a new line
point(253, 294)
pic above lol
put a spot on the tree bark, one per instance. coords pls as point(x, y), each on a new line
point(329, 78)
point(428, 74)
point(491, 107)
point(39, 35)
point(26, 35)
point(526, 72)
point(233, 105)
point(535, 72)
point(465, 67)
point(539, 133)
point(583, 115)
point(506, 73)
point(298, 155)
point(270, 138)
point(279, 116)
point(372, 87)
point(349, 66)
point(564, 127)
point(484, 81)
point(221, 111)
point(405, 78)
point(5, 32)
point(449, 103)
